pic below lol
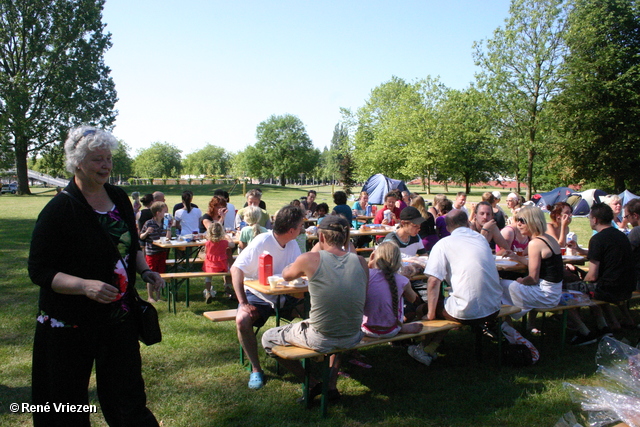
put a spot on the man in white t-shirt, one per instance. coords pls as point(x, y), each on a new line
point(465, 261)
point(460, 201)
point(254, 307)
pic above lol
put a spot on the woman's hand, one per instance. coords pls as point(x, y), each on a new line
point(565, 219)
point(222, 212)
point(154, 279)
point(99, 291)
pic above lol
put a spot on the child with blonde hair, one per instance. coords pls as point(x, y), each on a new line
point(383, 309)
point(252, 215)
point(216, 259)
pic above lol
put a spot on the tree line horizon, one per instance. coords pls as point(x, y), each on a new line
point(556, 102)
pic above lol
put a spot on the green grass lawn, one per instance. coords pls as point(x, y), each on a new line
point(194, 379)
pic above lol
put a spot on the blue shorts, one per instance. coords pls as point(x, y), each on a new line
point(266, 310)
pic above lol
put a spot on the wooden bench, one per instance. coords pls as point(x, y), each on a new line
point(221, 315)
point(428, 327)
point(175, 279)
point(564, 310)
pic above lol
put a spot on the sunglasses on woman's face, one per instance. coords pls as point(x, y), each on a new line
point(521, 221)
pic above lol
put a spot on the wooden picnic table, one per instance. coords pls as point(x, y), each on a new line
point(355, 233)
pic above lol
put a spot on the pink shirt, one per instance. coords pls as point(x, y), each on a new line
point(377, 307)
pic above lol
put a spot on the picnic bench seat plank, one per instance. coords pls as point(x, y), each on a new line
point(305, 354)
point(221, 315)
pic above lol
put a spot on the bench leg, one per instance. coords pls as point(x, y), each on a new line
point(563, 332)
point(306, 364)
point(326, 374)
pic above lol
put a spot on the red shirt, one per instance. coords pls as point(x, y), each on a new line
point(380, 215)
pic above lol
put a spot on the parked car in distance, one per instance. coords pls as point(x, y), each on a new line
point(10, 188)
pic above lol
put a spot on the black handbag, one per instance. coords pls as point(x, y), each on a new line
point(146, 315)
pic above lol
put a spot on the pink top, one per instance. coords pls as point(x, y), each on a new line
point(216, 258)
point(515, 244)
point(377, 308)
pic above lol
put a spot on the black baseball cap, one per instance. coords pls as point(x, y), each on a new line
point(412, 214)
point(334, 222)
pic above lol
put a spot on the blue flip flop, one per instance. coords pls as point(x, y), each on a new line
point(256, 380)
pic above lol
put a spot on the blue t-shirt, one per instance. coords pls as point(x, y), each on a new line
point(345, 211)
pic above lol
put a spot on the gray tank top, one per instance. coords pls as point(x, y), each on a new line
point(337, 290)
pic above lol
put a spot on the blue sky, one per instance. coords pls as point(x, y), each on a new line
point(197, 72)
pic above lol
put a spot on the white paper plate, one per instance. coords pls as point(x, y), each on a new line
point(572, 257)
point(505, 262)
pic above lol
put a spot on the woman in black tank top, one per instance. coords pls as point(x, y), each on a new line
point(542, 287)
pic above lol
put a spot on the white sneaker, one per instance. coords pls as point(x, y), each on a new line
point(208, 297)
point(420, 355)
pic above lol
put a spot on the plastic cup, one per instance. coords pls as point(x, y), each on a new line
point(273, 281)
point(563, 251)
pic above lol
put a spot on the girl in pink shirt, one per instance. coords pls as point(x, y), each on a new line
point(383, 309)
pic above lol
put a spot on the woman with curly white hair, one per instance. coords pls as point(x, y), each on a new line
point(84, 256)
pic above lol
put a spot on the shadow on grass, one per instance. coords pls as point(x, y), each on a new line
point(13, 395)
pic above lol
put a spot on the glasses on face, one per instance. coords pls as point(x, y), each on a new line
point(521, 221)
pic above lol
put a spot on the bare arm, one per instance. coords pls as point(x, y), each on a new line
point(305, 265)
point(592, 274)
point(409, 294)
point(535, 260)
point(96, 290)
point(433, 294)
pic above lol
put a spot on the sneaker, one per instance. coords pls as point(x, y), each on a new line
point(208, 298)
point(256, 380)
point(315, 391)
point(420, 355)
point(580, 339)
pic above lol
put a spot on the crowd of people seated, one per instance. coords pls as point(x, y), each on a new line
point(461, 243)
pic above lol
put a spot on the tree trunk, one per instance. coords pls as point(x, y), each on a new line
point(21, 165)
point(429, 182)
point(446, 186)
point(424, 183)
point(618, 182)
point(531, 156)
point(283, 181)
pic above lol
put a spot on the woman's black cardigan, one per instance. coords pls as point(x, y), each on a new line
point(67, 239)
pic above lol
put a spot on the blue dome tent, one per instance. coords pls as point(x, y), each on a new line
point(378, 185)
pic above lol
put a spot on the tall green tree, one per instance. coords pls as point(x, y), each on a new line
point(52, 73)
point(286, 147)
point(599, 108)
point(248, 163)
point(419, 123)
point(380, 137)
point(521, 70)
point(341, 157)
point(160, 160)
point(122, 161)
point(209, 160)
point(466, 143)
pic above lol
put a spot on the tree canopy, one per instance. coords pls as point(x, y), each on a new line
point(52, 73)
point(161, 160)
point(285, 146)
point(521, 70)
point(599, 107)
point(209, 160)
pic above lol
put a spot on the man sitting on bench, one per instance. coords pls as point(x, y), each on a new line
point(338, 288)
point(612, 269)
point(254, 308)
point(465, 261)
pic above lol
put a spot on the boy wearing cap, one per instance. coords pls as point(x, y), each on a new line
point(337, 288)
point(406, 237)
